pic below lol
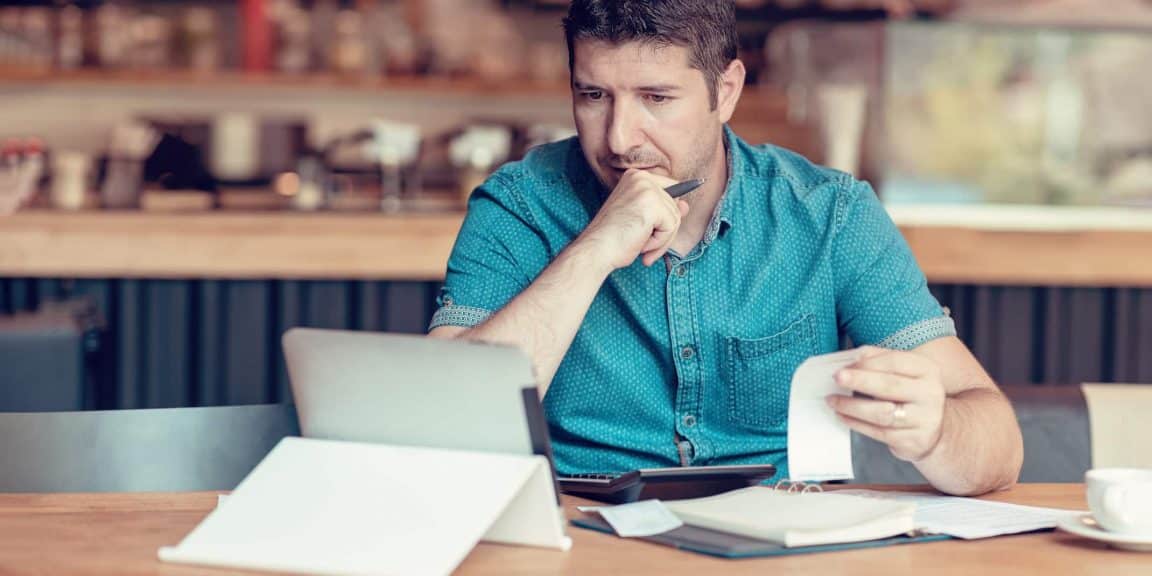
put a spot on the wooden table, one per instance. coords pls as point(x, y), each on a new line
point(118, 534)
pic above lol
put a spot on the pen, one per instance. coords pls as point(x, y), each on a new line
point(682, 188)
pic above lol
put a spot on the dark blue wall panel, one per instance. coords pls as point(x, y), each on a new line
point(211, 342)
point(170, 343)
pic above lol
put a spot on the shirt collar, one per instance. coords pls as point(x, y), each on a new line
point(722, 216)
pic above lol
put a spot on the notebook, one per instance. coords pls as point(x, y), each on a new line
point(797, 519)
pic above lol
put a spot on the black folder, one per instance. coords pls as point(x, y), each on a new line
point(725, 545)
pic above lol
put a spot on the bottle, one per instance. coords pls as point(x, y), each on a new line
point(323, 29)
point(348, 51)
point(255, 34)
point(70, 37)
point(200, 39)
point(292, 38)
point(111, 42)
point(70, 171)
point(37, 26)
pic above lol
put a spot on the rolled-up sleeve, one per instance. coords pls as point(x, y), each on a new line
point(497, 254)
point(882, 297)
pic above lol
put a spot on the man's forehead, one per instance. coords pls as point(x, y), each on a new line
point(636, 54)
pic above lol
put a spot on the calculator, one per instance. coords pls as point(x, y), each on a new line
point(664, 483)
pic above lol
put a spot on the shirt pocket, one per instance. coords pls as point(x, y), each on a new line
point(759, 373)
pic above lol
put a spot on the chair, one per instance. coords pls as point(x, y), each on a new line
point(44, 356)
point(1120, 424)
point(1057, 443)
point(163, 450)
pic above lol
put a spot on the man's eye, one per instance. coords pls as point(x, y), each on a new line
point(594, 95)
point(658, 98)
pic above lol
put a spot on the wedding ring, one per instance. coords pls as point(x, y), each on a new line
point(898, 414)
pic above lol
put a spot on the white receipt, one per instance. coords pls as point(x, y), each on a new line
point(969, 518)
point(819, 444)
point(644, 518)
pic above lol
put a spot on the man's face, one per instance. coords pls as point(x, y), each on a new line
point(641, 106)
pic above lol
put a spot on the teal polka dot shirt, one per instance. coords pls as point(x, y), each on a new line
point(689, 361)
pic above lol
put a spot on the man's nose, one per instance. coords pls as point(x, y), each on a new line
point(624, 130)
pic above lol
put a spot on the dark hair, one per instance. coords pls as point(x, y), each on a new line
point(706, 27)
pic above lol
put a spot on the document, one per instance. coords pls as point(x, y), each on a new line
point(644, 518)
point(819, 444)
point(969, 518)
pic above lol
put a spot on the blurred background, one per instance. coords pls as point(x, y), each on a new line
point(188, 179)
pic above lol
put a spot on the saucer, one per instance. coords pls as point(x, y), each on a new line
point(1087, 527)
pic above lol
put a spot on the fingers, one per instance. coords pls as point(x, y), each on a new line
point(905, 444)
point(658, 180)
point(880, 413)
point(649, 189)
point(643, 194)
point(663, 229)
point(905, 404)
point(662, 239)
point(878, 433)
point(658, 240)
point(668, 218)
point(900, 362)
point(657, 246)
point(879, 385)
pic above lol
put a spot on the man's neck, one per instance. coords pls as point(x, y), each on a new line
point(703, 203)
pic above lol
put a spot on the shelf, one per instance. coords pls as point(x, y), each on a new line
point(248, 80)
point(757, 99)
point(760, 117)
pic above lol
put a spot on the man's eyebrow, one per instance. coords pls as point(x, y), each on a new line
point(582, 86)
point(650, 88)
point(658, 88)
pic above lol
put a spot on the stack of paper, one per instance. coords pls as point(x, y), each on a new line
point(969, 518)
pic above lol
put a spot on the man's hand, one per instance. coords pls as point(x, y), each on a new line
point(905, 404)
point(639, 218)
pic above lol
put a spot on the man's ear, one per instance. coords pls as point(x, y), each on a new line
point(729, 88)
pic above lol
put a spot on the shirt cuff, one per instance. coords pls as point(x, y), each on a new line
point(919, 334)
point(462, 316)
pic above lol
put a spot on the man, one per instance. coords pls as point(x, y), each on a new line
point(665, 332)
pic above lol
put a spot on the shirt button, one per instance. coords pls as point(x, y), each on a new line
point(688, 420)
point(681, 270)
point(687, 352)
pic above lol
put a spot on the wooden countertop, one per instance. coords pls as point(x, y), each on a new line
point(1061, 248)
point(227, 245)
point(98, 534)
point(1030, 245)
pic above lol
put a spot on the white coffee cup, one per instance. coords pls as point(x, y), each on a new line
point(1121, 499)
